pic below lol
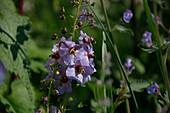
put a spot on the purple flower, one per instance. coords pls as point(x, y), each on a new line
point(128, 66)
point(80, 72)
point(67, 52)
point(39, 111)
point(58, 44)
point(64, 85)
point(154, 88)
point(147, 38)
point(85, 40)
point(2, 74)
point(83, 15)
point(127, 15)
point(52, 109)
point(62, 82)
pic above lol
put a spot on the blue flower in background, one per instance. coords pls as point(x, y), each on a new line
point(2, 74)
point(154, 88)
point(127, 15)
point(147, 37)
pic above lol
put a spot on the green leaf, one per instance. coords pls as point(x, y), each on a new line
point(104, 50)
point(166, 96)
point(139, 85)
point(123, 29)
point(5, 106)
point(146, 49)
point(38, 57)
point(19, 98)
point(163, 4)
point(14, 43)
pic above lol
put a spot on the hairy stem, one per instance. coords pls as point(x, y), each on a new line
point(115, 47)
point(76, 18)
point(161, 59)
point(117, 57)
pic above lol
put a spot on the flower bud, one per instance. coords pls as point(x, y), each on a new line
point(73, 3)
point(92, 40)
point(62, 9)
point(80, 23)
point(42, 81)
point(122, 91)
point(92, 14)
point(77, 4)
point(54, 36)
point(62, 17)
point(44, 99)
point(93, 4)
point(76, 26)
point(41, 89)
point(92, 25)
point(64, 31)
point(39, 111)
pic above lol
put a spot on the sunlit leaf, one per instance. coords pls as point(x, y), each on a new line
point(14, 41)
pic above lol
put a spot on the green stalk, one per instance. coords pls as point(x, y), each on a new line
point(65, 101)
point(117, 57)
point(115, 47)
point(155, 33)
point(49, 92)
point(75, 21)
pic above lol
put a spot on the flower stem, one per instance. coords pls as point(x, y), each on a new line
point(164, 99)
point(75, 21)
point(117, 57)
point(49, 92)
point(65, 101)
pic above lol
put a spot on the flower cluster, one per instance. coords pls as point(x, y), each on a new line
point(86, 16)
point(128, 66)
point(127, 15)
point(154, 88)
point(71, 61)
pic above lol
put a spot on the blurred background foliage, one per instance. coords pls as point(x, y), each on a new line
point(44, 17)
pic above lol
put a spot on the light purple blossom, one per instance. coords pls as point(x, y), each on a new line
point(80, 72)
point(128, 66)
point(127, 15)
point(154, 88)
point(67, 52)
point(58, 44)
